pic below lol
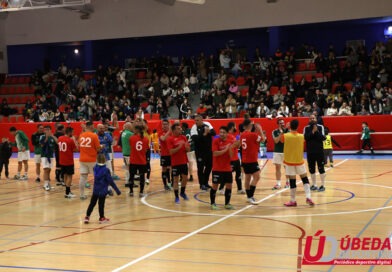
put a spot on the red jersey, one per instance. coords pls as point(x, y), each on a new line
point(221, 163)
point(163, 144)
point(139, 147)
point(66, 150)
point(180, 157)
point(231, 138)
point(250, 143)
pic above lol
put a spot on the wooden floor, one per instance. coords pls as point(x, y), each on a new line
point(43, 231)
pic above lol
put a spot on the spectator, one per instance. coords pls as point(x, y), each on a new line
point(345, 110)
point(231, 106)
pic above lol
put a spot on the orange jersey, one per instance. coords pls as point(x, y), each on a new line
point(89, 146)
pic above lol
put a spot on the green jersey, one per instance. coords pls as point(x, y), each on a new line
point(187, 134)
point(126, 148)
point(21, 141)
point(35, 141)
point(278, 147)
point(365, 133)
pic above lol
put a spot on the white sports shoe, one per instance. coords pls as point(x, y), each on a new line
point(252, 201)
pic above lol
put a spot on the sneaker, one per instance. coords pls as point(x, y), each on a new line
point(184, 196)
point(313, 188)
point(103, 220)
point(321, 189)
point(83, 197)
point(141, 195)
point(221, 192)
point(130, 193)
point(203, 188)
point(229, 207)
point(135, 186)
point(58, 183)
point(331, 165)
point(115, 177)
point(126, 185)
point(110, 192)
point(177, 200)
point(147, 182)
point(137, 177)
point(47, 187)
point(287, 185)
point(214, 207)
point(372, 151)
point(276, 187)
point(87, 185)
point(291, 204)
point(24, 177)
point(167, 188)
point(62, 183)
point(37, 180)
point(86, 219)
point(190, 178)
point(310, 202)
point(70, 195)
point(252, 201)
point(17, 177)
point(241, 192)
point(359, 152)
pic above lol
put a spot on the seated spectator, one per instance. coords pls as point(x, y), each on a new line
point(278, 99)
point(202, 110)
point(332, 110)
point(233, 89)
point(375, 107)
point(345, 110)
point(231, 106)
point(283, 110)
point(262, 110)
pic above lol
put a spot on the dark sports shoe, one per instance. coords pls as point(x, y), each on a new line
point(313, 188)
point(37, 180)
point(184, 196)
point(86, 219)
point(177, 200)
point(321, 189)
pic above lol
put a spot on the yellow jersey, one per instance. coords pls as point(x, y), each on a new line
point(293, 150)
point(328, 142)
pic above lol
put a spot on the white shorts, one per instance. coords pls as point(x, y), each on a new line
point(23, 156)
point(277, 158)
point(45, 162)
point(37, 158)
point(87, 167)
point(191, 156)
point(293, 170)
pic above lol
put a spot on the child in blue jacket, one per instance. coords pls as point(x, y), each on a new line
point(102, 179)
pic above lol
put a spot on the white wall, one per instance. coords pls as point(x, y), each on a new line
point(136, 18)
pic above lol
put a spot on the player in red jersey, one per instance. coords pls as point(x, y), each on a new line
point(67, 145)
point(139, 145)
point(250, 142)
point(165, 154)
point(222, 151)
point(178, 147)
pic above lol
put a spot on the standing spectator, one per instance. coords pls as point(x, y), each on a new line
point(231, 106)
point(178, 147)
point(102, 180)
point(202, 133)
point(314, 137)
point(293, 153)
point(5, 155)
point(67, 145)
point(48, 142)
point(277, 158)
point(250, 142)
point(328, 148)
point(365, 138)
point(37, 150)
point(22, 144)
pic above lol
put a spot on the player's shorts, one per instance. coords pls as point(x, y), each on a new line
point(87, 167)
point(47, 162)
point(191, 156)
point(165, 161)
point(137, 168)
point(235, 165)
point(68, 169)
point(293, 170)
point(277, 158)
point(221, 177)
point(37, 158)
point(180, 170)
point(23, 155)
point(251, 168)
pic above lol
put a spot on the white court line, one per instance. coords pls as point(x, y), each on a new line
point(198, 230)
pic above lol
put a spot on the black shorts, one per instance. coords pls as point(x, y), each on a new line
point(221, 177)
point(148, 156)
point(68, 169)
point(180, 170)
point(251, 168)
point(137, 168)
point(165, 161)
point(235, 165)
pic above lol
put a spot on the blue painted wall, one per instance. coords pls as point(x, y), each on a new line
point(27, 58)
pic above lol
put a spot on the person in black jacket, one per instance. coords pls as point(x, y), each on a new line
point(202, 134)
point(314, 137)
point(5, 155)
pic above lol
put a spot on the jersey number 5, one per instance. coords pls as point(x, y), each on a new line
point(243, 144)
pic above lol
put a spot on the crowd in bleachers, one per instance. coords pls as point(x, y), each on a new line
point(292, 83)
